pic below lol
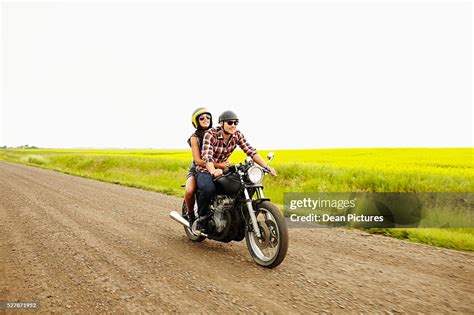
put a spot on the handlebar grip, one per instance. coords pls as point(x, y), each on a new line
point(230, 169)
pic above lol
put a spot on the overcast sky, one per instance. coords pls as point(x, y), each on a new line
point(299, 75)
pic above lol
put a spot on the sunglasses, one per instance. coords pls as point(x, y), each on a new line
point(202, 117)
point(232, 122)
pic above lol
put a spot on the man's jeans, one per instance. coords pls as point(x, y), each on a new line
point(207, 191)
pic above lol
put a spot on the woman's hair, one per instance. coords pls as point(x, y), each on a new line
point(199, 133)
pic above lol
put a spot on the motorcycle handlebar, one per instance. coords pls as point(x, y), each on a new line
point(233, 169)
point(229, 170)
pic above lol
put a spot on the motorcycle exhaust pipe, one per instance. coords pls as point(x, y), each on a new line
point(178, 218)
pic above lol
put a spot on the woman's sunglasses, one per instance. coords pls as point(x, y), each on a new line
point(202, 117)
point(232, 122)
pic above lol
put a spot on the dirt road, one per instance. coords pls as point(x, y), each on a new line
point(78, 245)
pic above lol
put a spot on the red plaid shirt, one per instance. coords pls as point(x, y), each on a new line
point(214, 148)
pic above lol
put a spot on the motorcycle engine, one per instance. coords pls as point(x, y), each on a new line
point(222, 203)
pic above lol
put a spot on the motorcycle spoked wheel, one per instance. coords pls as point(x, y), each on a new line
point(270, 250)
point(193, 237)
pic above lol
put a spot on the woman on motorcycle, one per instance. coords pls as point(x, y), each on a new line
point(201, 120)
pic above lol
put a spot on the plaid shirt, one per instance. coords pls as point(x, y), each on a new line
point(214, 148)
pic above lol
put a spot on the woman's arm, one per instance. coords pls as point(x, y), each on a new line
point(196, 150)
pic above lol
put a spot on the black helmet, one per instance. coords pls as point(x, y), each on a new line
point(198, 112)
point(228, 115)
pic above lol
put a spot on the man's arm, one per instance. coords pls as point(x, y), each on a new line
point(207, 154)
point(214, 171)
point(250, 151)
point(245, 146)
point(197, 155)
point(258, 159)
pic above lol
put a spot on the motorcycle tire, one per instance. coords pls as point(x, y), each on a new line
point(275, 226)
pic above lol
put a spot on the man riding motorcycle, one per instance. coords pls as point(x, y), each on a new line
point(218, 145)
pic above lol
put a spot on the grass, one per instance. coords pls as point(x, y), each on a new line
point(460, 239)
point(331, 170)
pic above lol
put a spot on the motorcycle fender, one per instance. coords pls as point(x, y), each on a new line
point(257, 202)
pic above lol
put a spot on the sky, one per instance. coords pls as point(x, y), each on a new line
point(298, 74)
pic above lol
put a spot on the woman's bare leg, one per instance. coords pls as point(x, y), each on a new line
point(190, 191)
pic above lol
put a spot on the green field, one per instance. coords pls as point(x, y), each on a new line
point(331, 170)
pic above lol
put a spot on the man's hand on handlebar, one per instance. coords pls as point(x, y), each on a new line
point(222, 165)
point(271, 170)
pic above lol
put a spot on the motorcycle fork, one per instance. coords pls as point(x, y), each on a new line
point(253, 218)
point(259, 192)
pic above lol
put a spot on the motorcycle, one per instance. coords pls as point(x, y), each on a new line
point(240, 210)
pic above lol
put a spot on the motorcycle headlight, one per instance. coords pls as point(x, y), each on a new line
point(255, 174)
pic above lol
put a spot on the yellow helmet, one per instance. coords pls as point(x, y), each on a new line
point(198, 112)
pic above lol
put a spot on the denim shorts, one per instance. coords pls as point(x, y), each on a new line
point(192, 171)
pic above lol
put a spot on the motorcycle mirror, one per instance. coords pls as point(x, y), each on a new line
point(270, 156)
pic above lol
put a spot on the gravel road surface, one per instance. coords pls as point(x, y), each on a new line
point(78, 245)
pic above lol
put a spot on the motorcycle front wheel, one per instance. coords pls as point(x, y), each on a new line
point(270, 250)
